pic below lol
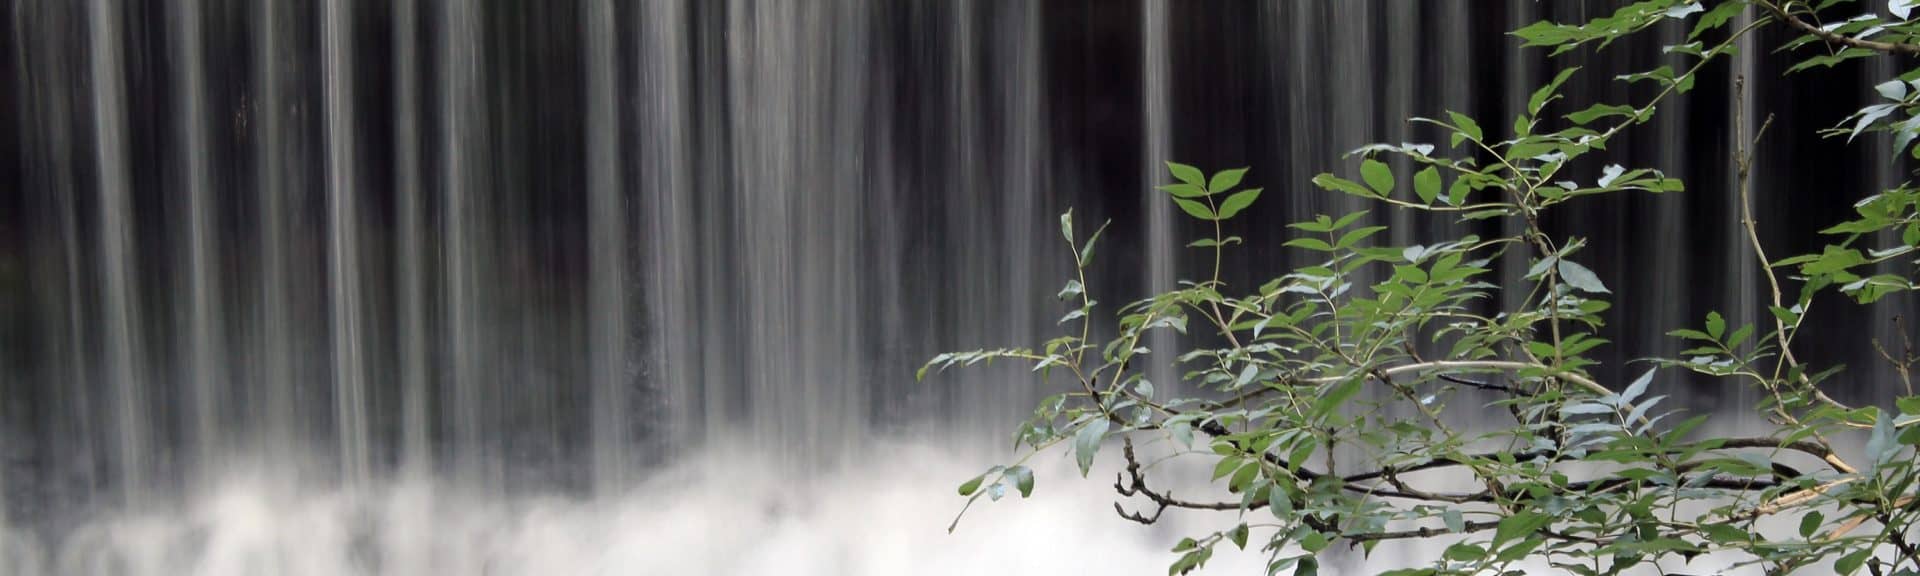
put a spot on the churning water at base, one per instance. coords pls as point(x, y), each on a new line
point(727, 512)
point(590, 286)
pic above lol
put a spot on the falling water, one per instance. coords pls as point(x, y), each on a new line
point(120, 316)
point(432, 286)
point(200, 296)
point(607, 244)
point(409, 193)
point(343, 271)
point(1156, 87)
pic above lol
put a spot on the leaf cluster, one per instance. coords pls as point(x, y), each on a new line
point(1347, 402)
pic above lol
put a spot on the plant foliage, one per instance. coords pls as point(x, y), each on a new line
point(1327, 396)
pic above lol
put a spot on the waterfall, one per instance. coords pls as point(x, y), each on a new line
point(279, 177)
point(414, 364)
point(1162, 246)
point(661, 110)
point(343, 259)
point(607, 239)
point(463, 148)
point(119, 283)
point(202, 333)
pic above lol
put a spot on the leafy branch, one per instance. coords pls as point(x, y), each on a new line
point(1545, 464)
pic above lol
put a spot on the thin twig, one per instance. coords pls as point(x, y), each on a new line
point(1832, 37)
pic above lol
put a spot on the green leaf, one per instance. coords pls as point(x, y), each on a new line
point(971, 486)
point(1187, 174)
point(1546, 93)
point(1545, 33)
point(1022, 479)
point(1466, 126)
point(1237, 202)
point(1086, 443)
point(1226, 465)
point(1717, 17)
point(1598, 111)
point(1457, 193)
point(1454, 520)
point(1726, 533)
point(1378, 176)
point(1580, 278)
point(1314, 542)
point(1908, 405)
point(1066, 224)
point(1410, 274)
point(1225, 180)
point(1338, 184)
point(1529, 149)
point(1310, 244)
point(1183, 190)
point(1278, 503)
point(1811, 523)
point(1338, 395)
point(1209, 242)
point(1239, 536)
point(1356, 235)
point(1073, 288)
point(1518, 525)
point(1465, 552)
point(1716, 325)
point(1086, 252)
point(1851, 563)
point(1426, 183)
point(1195, 209)
point(1347, 220)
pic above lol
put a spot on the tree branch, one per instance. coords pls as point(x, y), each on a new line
point(1834, 38)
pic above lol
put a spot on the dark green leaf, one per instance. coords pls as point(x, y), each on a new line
point(1851, 563)
point(1465, 552)
point(1278, 503)
point(1810, 523)
point(1022, 479)
point(971, 486)
point(1314, 542)
point(1086, 252)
